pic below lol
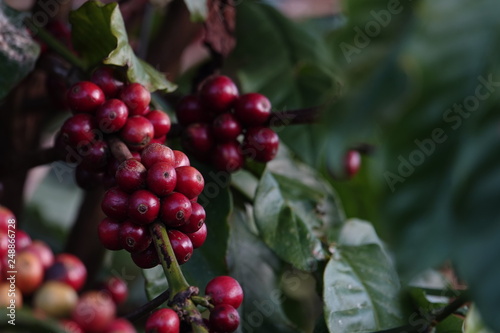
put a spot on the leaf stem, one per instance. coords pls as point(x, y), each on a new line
point(55, 45)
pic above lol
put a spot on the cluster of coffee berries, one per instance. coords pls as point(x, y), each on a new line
point(103, 106)
point(160, 185)
point(223, 127)
point(223, 293)
point(29, 270)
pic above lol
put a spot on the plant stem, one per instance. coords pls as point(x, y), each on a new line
point(180, 291)
point(56, 45)
point(148, 307)
point(175, 278)
point(119, 149)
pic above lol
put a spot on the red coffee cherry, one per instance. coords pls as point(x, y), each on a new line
point(84, 96)
point(6, 218)
point(352, 163)
point(105, 78)
point(147, 258)
point(261, 144)
point(95, 157)
point(161, 178)
point(120, 325)
point(42, 251)
point(137, 132)
point(69, 269)
point(131, 175)
point(161, 122)
point(190, 182)
point(196, 220)
point(181, 244)
point(117, 288)
point(252, 109)
point(190, 111)
point(23, 240)
point(78, 130)
point(181, 159)
point(218, 93)
point(226, 127)
point(198, 140)
point(115, 204)
point(198, 237)
point(224, 318)
point(88, 180)
point(111, 116)
point(175, 210)
point(163, 321)
point(108, 231)
point(224, 290)
point(134, 237)
point(94, 311)
point(228, 157)
point(137, 99)
point(155, 153)
point(143, 207)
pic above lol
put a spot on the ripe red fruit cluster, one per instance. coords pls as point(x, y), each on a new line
point(223, 127)
point(226, 295)
point(159, 185)
point(52, 282)
point(102, 106)
point(223, 292)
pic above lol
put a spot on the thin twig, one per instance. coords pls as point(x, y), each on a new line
point(148, 307)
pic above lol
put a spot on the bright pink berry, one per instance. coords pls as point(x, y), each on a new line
point(190, 111)
point(105, 78)
point(137, 99)
point(196, 220)
point(94, 156)
point(147, 258)
point(111, 116)
point(69, 269)
point(42, 251)
point(143, 207)
point(228, 157)
point(198, 237)
point(181, 159)
point(161, 178)
point(84, 96)
point(109, 234)
point(224, 318)
point(226, 127)
point(161, 122)
point(182, 246)
point(175, 210)
point(78, 130)
point(156, 152)
point(115, 204)
point(137, 132)
point(198, 140)
point(224, 290)
point(352, 163)
point(131, 175)
point(190, 182)
point(134, 237)
point(252, 109)
point(261, 144)
point(218, 93)
point(117, 288)
point(163, 321)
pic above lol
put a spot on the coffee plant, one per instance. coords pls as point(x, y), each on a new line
point(246, 166)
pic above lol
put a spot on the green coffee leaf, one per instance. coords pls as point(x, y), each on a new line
point(99, 35)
